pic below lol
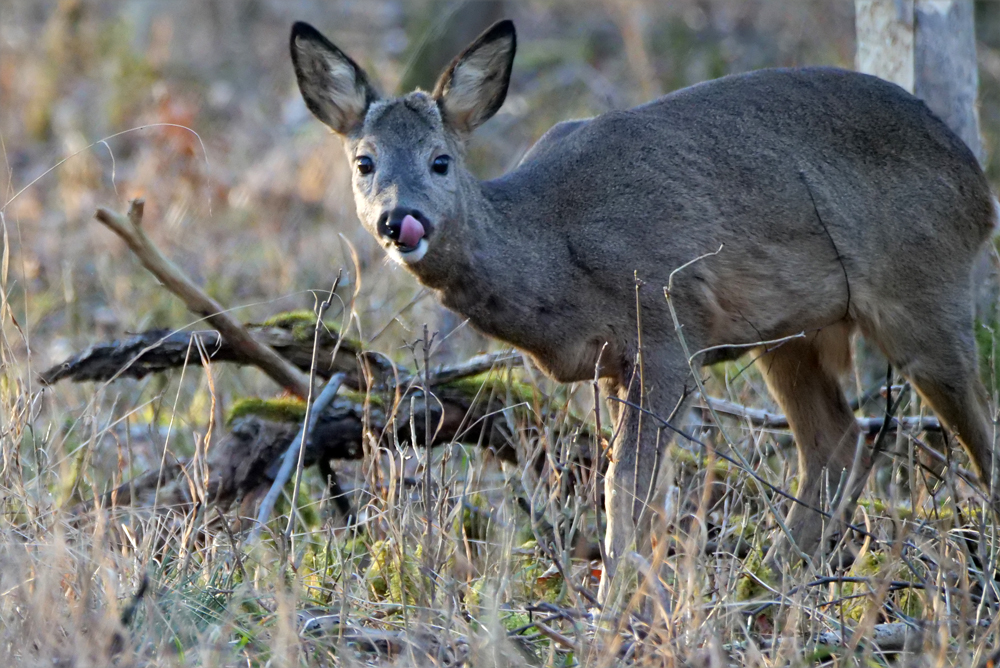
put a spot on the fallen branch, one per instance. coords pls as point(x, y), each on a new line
point(129, 228)
point(425, 643)
point(893, 637)
point(471, 367)
point(246, 461)
point(159, 350)
point(868, 425)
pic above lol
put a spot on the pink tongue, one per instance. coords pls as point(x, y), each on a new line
point(410, 232)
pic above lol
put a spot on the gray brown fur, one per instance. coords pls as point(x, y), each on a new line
point(839, 201)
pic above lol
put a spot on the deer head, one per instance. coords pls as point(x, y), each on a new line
point(411, 186)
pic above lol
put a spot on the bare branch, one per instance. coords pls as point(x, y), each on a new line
point(129, 228)
point(868, 425)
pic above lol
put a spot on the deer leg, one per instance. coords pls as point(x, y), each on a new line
point(631, 477)
point(937, 353)
point(802, 374)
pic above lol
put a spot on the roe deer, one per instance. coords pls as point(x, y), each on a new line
point(839, 202)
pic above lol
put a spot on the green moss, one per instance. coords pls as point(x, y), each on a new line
point(911, 603)
point(488, 383)
point(290, 319)
point(515, 620)
point(749, 586)
point(473, 523)
point(878, 566)
point(873, 505)
point(985, 343)
point(283, 409)
point(356, 397)
point(301, 323)
point(871, 564)
point(392, 575)
point(721, 469)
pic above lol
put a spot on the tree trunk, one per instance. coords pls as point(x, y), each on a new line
point(945, 66)
point(884, 31)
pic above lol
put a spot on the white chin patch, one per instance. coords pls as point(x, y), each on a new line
point(409, 257)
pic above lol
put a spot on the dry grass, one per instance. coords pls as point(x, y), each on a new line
point(255, 207)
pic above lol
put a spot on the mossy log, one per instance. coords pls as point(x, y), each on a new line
point(469, 405)
point(244, 463)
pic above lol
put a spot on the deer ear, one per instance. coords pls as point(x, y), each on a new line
point(474, 86)
point(334, 87)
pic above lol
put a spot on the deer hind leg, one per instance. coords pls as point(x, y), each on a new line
point(936, 351)
point(803, 376)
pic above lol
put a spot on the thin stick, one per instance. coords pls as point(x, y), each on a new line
point(428, 470)
point(470, 367)
point(129, 228)
point(558, 638)
point(309, 422)
point(290, 457)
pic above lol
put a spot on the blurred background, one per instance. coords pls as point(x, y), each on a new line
point(193, 105)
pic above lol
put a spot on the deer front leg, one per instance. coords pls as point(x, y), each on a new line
point(630, 482)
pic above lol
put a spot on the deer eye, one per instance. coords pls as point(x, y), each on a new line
point(365, 165)
point(440, 164)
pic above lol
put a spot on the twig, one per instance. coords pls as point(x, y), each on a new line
point(129, 228)
point(597, 465)
point(291, 456)
point(309, 421)
point(428, 469)
point(892, 637)
point(557, 638)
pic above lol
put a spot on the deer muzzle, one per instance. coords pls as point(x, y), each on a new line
point(406, 228)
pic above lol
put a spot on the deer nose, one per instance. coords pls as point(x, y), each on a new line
point(393, 225)
point(390, 223)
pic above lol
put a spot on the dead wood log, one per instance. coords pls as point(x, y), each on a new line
point(244, 464)
point(868, 425)
point(159, 350)
point(247, 458)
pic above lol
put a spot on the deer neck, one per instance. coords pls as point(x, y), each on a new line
point(488, 263)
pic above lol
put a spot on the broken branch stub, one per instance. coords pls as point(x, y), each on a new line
point(129, 228)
